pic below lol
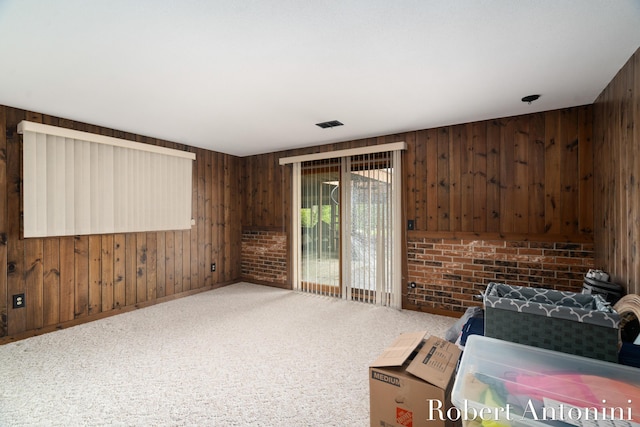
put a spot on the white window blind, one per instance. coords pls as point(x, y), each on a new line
point(347, 222)
point(81, 183)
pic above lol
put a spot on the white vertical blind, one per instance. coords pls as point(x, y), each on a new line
point(80, 183)
point(367, 265)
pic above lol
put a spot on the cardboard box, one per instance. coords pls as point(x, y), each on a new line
point(410, 383)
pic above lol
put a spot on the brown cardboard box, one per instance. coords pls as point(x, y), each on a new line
point(410, 383)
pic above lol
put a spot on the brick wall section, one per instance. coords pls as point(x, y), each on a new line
point(449, 273)
point(264, 256)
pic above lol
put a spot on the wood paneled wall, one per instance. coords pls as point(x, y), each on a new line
point(529, 175)
point(523, 178)
point(617, 176)
point(69, 280)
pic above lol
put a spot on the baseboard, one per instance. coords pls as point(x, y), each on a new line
point(114, 312)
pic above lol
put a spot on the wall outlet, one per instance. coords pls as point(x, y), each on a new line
point(213, 267)
point(18, 301)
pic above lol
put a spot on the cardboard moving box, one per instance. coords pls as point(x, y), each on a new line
point(410, 383)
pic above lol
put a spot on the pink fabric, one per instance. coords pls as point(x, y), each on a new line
point(579, 390)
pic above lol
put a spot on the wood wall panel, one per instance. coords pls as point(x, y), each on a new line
point(528, 175)
point(4, 298)
point(430, 190)
point(16, 319)
point(496, 179)
point(67, 279)
point(75, 279)
point(51, 281)
point(616, 148)
point(119, 271)
point(81, 261)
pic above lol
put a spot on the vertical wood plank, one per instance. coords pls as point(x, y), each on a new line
point(170, 258)
point(81, 272)
point(198, 232)
point(250, 165)
point(216, 220)
point(618, 229)
point(67, 279)
point(634, 178)
point(33, 253)
point(131, 268)
point(507, 190)
point(4, 233)
point(95, 270)
point(536, 172)
point(51, 281)
point(161, 262)
point(444, 221)
point(466, 176)
point(493, 176)
point(16, 318)
point(186, 260)
point(585, 161)
point(236, 215)
point(208, 219)
point(409, 176)
point(624, 202)
point(152, 264)
point(520, 176)
point(119, 270)
point(553, 224)
point(569, 173)
point(455, 177)
point(106, 279)
point(141, 267)
point(479, 143)
point(178, 261)
point(228, 218)
point(421, 189)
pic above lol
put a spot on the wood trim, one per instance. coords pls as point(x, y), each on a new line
point(522, 237)
point(371, 149)
point(27, 126)
point(264, 228)
point(105, 314)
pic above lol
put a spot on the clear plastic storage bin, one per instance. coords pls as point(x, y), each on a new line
point(501, 383)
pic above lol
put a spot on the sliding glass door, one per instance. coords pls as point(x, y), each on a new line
point(348, 227)
point(320, 227)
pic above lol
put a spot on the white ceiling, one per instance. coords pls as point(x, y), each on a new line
point(253, 76)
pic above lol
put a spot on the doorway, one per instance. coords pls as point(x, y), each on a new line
point(348, 235)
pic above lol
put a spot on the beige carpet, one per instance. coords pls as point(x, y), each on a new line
point(243, 355)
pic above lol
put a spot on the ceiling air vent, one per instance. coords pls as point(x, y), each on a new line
point(331, 124)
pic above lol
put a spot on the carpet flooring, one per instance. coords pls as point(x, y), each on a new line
point(242, 355)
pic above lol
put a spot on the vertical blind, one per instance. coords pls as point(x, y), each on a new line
point(320, 227)
point(78, 183)
point(372, 202)
point(347, 213)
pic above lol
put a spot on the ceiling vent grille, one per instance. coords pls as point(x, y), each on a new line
point(330, 124)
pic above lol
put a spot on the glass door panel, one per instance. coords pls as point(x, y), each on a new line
point(320, 228)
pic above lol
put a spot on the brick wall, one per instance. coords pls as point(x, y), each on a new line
point(449, 272)
point(264, 256)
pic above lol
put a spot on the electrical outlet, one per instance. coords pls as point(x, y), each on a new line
point(18, 301)
point(213, 267)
